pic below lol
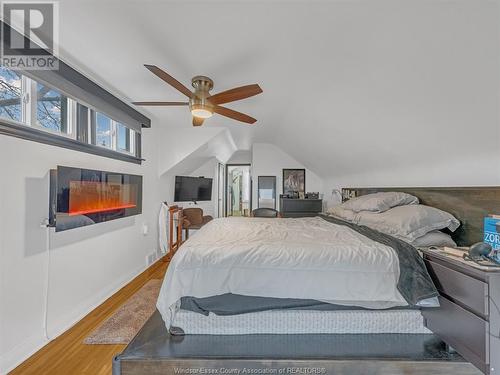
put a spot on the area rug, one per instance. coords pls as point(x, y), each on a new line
point(123, 325)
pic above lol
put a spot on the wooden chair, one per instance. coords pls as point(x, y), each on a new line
point(194, 219)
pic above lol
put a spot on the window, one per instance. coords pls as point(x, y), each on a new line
point(34, 104)
point(113, 135)
point(52, 109)
point(27, 103)
point(103, 130)
point(122, 137)
point(10, 95)
point(125, 138)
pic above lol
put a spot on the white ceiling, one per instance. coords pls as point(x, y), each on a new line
point(349, 86)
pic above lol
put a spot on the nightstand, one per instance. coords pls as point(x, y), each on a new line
point(469, 316)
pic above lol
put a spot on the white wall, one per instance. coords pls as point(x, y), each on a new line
point(270, 160)
point(86, 264)
point(482, 169)
point(241, 157)
point(200, 158)
point(178, 143)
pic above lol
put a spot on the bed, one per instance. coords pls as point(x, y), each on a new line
point(250, 270)
point(249, 280)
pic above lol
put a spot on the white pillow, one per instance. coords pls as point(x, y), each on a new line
point(434, 238)
point(408, 222)
point(379, 202)
point(341, 213)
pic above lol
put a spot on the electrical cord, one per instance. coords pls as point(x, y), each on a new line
point(47, 279)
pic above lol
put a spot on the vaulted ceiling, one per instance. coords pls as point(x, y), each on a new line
point(349, 85)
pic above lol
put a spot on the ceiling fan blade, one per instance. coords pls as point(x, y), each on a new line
point(160, 103)
point(169, 79)
point(237, 93)
point(234, 114)
point(198, 121)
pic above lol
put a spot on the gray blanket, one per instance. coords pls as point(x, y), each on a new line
point(414, 284)
point(234, 304)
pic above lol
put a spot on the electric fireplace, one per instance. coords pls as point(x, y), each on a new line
point(80, 197)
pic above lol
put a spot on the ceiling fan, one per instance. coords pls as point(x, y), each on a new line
point(201, 103)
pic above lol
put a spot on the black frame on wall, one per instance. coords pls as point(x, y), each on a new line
point(295, 170)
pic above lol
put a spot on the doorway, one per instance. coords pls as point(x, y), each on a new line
point(221, 188)
point(238, 190)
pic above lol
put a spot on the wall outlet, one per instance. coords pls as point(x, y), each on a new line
point(150, 258)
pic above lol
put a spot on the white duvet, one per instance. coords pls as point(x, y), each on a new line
point(307, 258)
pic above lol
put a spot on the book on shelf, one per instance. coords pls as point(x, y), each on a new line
point(455, 251)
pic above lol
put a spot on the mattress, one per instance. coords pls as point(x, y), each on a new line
point(300, 322)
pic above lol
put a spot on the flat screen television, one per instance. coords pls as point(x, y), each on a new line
point(194, 189)
point(81, 197)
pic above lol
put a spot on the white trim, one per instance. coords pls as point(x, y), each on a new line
point(131, 133)
point(22, 351)
point(114, 136)
point(90, 113)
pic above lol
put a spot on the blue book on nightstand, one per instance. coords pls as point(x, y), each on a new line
point(492, 232)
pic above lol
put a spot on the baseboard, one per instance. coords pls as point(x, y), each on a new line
point(18, 354)
point(67, 321)
point(27, 348)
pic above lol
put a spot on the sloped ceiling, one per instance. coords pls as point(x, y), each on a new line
point(349, 86)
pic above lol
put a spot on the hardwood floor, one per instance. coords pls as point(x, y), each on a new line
point(68, 355)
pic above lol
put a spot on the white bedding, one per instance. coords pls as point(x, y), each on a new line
point(306, 258)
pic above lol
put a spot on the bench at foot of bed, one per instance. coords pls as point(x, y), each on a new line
point(154, 351)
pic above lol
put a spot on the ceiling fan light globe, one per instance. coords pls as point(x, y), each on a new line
point(201, 113)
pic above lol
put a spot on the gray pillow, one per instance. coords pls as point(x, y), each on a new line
point(408, 222)
point(434, 238)
point(379, 202)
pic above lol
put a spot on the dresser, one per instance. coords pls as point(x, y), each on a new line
point(469, 316)
point(300, 207)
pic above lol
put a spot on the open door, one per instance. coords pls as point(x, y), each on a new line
point(238, 190)
point(221, 184)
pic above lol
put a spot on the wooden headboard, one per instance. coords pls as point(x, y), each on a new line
point(468, 204)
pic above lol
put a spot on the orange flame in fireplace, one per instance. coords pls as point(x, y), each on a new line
point(87, 197)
